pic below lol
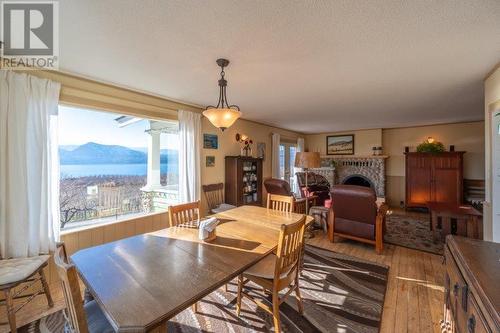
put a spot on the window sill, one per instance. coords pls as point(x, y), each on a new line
point(100, 224)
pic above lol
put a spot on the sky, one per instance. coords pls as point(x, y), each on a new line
point(79, 126)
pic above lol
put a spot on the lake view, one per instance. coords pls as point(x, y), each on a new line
point(83, 170)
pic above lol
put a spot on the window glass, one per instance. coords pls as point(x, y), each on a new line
point(105, 172)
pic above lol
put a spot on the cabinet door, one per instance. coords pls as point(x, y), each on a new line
point(447, 179)
point(418, 182)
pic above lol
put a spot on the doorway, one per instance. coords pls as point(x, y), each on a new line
point(287, 162)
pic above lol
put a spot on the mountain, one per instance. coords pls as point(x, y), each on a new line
point(95, 153)
point(68, 147)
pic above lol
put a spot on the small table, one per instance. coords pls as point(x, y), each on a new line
point(466, 216)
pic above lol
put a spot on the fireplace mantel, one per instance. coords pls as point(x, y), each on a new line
point(369, 167)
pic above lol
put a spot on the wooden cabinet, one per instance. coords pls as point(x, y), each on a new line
point(243, 181)
point(471, 296)
point(434, 177)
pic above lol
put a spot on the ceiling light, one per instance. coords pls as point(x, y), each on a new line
point(222, 115)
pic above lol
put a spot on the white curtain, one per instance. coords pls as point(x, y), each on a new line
point(300, 148)
point(29, 165)
point(189, 156)
point(275, 156)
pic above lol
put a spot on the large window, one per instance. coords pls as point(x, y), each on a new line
point(114, 166)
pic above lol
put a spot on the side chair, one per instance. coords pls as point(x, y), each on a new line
point(281, 203)
point(277, 272)
point(80, 317)
point(184, 213)
point(23, 272)
point(214, 193)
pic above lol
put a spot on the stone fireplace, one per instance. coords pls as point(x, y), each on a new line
point(366, 171)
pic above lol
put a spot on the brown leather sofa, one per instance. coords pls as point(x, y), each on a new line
point(317, 185)
point(354, 215)
point(282, 187)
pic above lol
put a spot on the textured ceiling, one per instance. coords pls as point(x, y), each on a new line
point(310, 66)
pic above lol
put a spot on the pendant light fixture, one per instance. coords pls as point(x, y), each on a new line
point(223, 115)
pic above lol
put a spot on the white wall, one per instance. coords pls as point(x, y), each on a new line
point(491, 95)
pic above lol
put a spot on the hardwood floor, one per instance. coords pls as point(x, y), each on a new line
point(414, 297)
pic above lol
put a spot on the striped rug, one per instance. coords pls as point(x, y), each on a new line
point(341, 294)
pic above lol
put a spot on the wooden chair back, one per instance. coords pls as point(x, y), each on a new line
point(184, 213)
point(214, 193)
point(281, 203)
point(290, 247)
point(71, 289)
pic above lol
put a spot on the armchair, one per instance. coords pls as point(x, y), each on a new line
point(281, 187)
point(317, 185)
point(354, 215)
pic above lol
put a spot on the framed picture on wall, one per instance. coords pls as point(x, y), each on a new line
point(210, 161)
point(340, 144)
point(210, 141)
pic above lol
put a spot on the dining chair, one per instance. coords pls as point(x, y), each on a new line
point(214, 193)
point(80, 317)
point(184, 213)
point(281, 203)
point(277, 272)
point(23, 273)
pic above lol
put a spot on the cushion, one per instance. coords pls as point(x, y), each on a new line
point(96, 320)
point(222, 208)
point(265, 268)
point(355, 228)
point(18, 270)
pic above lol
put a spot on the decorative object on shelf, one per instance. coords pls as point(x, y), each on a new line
point(407, 149)
point(210, 161)
point(223, 115)
point(210, 141)
point(245, 142)
point(377, 151)
point(307, 160)
point(452, 147)
point(430, 146)
point(340, 144)
point(261, 150)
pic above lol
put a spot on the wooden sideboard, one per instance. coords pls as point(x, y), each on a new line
point(434, 177)
point(472, 285)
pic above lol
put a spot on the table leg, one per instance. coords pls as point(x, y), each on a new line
point(434, 229)
point(445, 226)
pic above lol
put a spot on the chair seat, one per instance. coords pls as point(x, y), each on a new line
point(265, 268)
point(96, 320)
point(222, 208)
point(18, 270)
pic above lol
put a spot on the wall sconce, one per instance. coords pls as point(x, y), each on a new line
point(430, 139)
point(241, 137)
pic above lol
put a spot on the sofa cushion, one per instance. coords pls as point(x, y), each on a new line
point(354, 228)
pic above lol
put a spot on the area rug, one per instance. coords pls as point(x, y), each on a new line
point(340, 293)
point(411, 230)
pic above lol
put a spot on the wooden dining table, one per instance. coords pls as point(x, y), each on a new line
point(142, 281)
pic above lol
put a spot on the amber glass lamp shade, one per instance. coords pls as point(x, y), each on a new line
point(307, 160)
point(222, 118)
